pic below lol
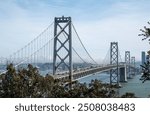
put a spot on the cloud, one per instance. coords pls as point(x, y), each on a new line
point(18, 27)
point(123, 29)
point(98, 23)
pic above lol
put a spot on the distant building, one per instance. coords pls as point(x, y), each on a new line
point(143, 57)
point(147, 57)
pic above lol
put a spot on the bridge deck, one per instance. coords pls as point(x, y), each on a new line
point(82, 73)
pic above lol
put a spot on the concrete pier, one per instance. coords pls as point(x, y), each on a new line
point(123, 74)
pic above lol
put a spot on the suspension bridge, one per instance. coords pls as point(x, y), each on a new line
point(60, 50)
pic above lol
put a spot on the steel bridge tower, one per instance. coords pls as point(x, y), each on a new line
point(127, 61)
point(114, 73)
point(62, 55)
point(133, 65)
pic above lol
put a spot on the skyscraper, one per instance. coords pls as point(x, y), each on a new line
point(143, 57)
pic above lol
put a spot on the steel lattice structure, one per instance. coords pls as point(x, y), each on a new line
point(127, 61)
point(64, 25)
point(133, 65)
point(114, 73)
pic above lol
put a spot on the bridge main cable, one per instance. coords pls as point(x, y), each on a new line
point(83, 45)
point(76, 51)
point(79, 56)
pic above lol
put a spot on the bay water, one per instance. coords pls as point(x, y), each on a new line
point(135, 85)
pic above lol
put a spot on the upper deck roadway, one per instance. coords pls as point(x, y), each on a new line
point(77, 74)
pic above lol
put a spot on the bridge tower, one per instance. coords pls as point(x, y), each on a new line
point(133, 66)
point(62, 55)
point(114, 73)
point(127, 61)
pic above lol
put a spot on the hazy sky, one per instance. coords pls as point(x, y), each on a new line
point(98, 23)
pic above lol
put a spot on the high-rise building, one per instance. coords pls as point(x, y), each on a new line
point(147, 57)
point(143, 57)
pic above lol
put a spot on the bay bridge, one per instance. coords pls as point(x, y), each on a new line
point(60, 47)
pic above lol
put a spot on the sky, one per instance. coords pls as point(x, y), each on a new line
point(98, 22)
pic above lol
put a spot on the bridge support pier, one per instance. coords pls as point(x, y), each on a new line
point(123, 75)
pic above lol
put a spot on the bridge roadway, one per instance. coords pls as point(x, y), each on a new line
point(84, 72)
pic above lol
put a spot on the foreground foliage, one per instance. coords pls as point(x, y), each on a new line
point(145, 32)
point(145, 71)
point(146, 66)
point(28, 83)
point(128, 95)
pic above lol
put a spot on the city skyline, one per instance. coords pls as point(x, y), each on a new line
point(104, 21)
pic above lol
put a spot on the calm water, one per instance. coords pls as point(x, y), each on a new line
point(133, 85)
